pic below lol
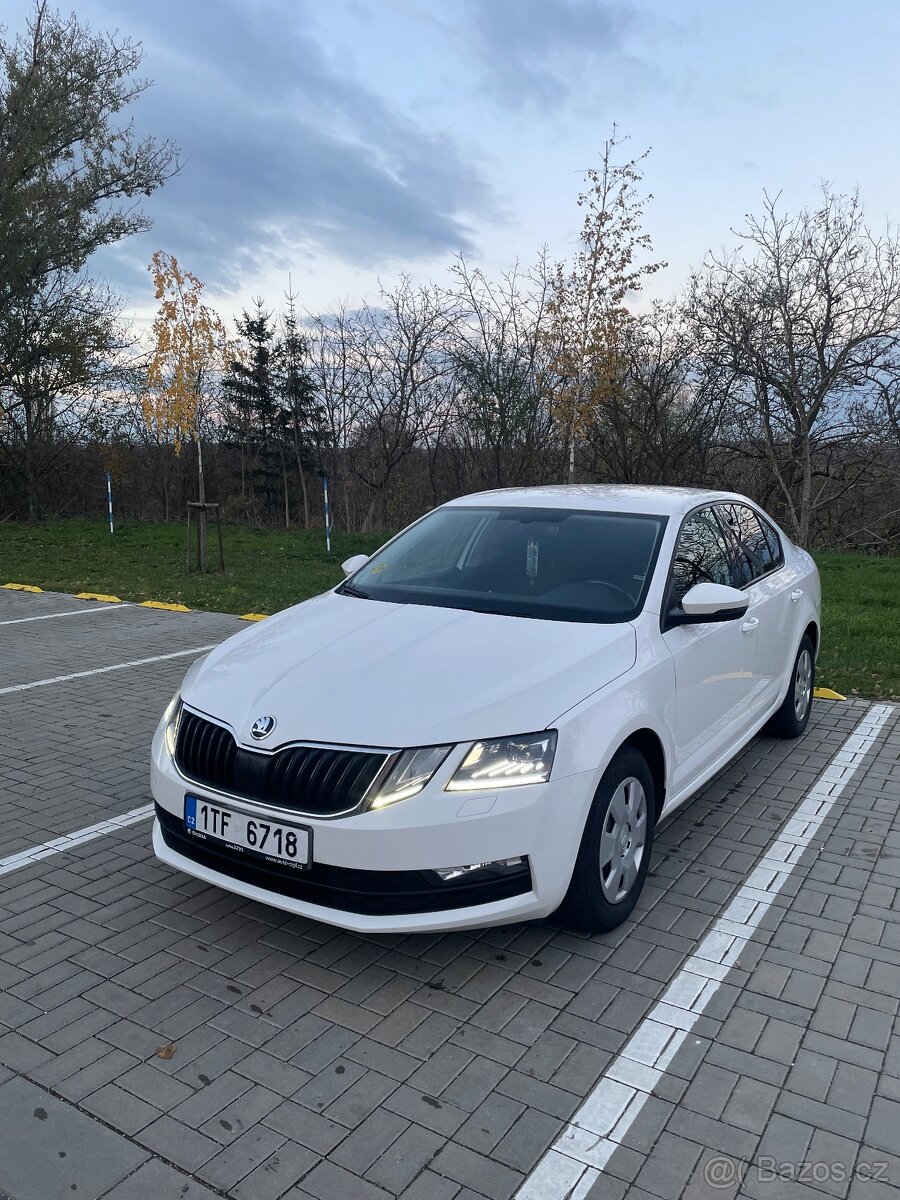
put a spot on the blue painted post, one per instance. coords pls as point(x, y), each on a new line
point(109, 498)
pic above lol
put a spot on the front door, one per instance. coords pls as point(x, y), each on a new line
point(715, 664)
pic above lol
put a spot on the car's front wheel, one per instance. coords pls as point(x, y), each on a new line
point(793, 716)
point(615, 847)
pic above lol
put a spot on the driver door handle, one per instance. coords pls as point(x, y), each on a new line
point(796, 595)
point(749, 626)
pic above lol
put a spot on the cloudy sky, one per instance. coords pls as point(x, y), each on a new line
point(343, 141)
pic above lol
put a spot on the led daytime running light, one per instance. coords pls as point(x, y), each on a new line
point(506, 762)
point(409, 774)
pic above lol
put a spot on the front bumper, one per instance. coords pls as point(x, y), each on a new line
point(373, 872)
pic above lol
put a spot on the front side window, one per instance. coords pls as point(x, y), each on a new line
point(701, 554)
point(552, 564)
point(752, 554)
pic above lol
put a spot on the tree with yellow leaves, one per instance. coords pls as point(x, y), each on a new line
point(188, 353)
point(587, 308)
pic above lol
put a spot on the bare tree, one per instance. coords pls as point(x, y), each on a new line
point(660, 419)
point(336, 371)
point(802, 318)
point(401, 350)
point(502, 369)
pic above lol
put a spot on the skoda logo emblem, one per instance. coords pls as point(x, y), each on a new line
point(262, 727)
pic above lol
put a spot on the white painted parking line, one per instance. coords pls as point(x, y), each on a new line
point(575, 1160)
point(24, 858)
point(70, 612)
point(135, 662)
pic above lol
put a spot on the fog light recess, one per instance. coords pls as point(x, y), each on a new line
point(496, 869)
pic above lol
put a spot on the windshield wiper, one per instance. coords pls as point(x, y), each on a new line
point(347, 589)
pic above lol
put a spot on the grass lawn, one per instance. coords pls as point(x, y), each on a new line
point(860, 624)
point(266, 571)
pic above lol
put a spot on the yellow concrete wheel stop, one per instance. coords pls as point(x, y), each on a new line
point(97, 596)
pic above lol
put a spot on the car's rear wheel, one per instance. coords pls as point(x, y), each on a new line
point(615, 848)
point(793, 716)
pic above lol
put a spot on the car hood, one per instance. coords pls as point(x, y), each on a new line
point(366, 673)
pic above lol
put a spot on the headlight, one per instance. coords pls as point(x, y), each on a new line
point(506, 762)
point(409, 774)
point(172, 716)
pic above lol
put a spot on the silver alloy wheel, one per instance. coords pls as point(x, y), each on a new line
point(803, 684)
point(623, 839)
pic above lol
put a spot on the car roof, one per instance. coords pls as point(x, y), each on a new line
point(605, 497)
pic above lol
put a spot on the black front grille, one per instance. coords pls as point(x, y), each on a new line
point(306, 779)
point(375, 893)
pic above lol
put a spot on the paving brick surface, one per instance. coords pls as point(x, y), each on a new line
point(185, 1042)
point(51, 1150)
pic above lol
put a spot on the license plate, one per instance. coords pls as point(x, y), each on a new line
point(272, 840)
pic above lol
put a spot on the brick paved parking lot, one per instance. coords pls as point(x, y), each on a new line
point(163, 1040)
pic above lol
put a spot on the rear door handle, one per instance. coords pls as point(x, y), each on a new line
point(749, 626)
point(796, 595)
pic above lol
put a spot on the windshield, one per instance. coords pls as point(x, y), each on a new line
point(553, 564)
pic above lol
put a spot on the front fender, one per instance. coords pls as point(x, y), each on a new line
point(592, 731)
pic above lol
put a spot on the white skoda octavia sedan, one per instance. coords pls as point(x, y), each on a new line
point(486, 720)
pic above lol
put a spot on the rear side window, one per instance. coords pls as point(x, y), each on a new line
point(773, 541)
point(755, 546)
point(702, 554)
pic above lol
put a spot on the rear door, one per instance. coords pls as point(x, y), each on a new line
point(758, 568)
point(715, 664)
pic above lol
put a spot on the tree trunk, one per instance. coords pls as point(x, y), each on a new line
point(370, 512)
point(301, 474)
point(28, 463)
point(303, 492)
point(201, 512)
point(164, 473)
point(30, 486)
point(805, 513)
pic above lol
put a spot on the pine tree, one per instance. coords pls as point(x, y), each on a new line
point(252, 403)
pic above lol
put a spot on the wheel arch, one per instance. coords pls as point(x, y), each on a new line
point(812, 632)
point(650, 747)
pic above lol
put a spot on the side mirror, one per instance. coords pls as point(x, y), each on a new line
point(354, 563)
point(706, 602)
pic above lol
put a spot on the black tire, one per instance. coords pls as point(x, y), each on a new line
point(592, 903)
point(793, 716)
